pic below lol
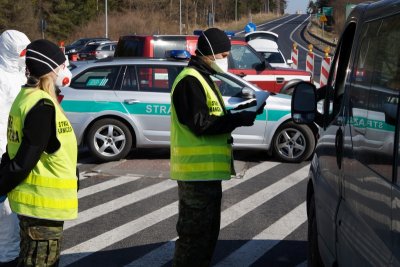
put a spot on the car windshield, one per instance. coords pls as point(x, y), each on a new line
point(243, 57)
point(273, 57)
point(89, 47)
point(79, 42)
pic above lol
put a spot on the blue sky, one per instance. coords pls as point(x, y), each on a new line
point(294, 5)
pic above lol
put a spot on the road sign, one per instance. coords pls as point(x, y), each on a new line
point(323, 18)
point(328, 11)
point(250, 27)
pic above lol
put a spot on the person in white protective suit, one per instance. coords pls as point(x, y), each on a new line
point(12, 77)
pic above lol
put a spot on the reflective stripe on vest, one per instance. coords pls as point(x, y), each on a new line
point(199, 158)
point(50, 190)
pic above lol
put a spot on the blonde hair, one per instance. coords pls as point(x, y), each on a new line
point(45, 83)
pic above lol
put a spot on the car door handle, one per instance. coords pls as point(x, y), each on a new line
point(280, 80)
point(339, 147)
point(131, 101)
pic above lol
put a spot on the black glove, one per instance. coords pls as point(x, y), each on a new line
point(251, 103)
point(246, 118)
point(260, 110)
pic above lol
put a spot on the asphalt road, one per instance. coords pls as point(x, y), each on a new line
point(289, 28)
point(128, 209)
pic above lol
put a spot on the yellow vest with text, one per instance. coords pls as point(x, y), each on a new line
point(50, 189)
point(199, 158)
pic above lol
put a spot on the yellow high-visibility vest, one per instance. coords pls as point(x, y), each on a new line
point(50, 189)
point(199, 158)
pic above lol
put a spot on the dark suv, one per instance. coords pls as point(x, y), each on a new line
point(353, 194)
point(77, 45)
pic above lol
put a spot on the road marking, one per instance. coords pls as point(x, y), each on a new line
point(254, 249)
point(277, 26)
point(262, 25)
point(100, 242)
point(120, 202)
point(299, 45)
point(163, 254)
point(106, 185)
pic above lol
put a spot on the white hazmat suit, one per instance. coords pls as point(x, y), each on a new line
point(12, 77)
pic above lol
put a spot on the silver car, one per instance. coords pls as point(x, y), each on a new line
point(116, 104)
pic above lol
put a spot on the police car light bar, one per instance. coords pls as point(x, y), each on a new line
point(229, 33)
point(178, 54)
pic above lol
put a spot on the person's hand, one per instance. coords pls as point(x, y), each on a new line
point(247, 118)
point(245, 105)
point(260, 110)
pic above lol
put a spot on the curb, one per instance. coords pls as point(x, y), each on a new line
point(313, 39)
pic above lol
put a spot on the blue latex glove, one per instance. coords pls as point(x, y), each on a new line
point(3, 198)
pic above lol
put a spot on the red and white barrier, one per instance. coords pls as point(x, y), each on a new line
point(325, 67)
point(310, 62)
point(295, 56)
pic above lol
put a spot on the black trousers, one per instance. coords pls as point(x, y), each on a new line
point(198, 223)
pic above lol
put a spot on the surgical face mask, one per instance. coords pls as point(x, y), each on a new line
point(220, 65)
point(64, 77)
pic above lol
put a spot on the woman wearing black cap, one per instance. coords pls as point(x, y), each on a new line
point(201, 153)
point(38, 171)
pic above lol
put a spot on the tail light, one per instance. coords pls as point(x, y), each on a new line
point(60, 97)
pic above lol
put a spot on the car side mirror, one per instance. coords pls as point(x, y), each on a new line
point(289, 61)
point(262, 66)
point(248, 93)
point(304, 103)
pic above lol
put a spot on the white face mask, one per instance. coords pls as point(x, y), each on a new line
point(220, 65)
point(64, 77)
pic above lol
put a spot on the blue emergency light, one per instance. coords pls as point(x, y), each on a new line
point(178, 54)
point(230, 34)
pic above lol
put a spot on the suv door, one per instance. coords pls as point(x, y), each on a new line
point(364, 217)
point(330, 149)
point(145, 95)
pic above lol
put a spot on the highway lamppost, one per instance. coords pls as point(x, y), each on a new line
point(236, 10)
point(180, 16)
point(106, 18)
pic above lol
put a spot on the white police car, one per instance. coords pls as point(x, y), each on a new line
point(116, 104)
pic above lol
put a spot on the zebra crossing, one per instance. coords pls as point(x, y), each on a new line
point(130, 220)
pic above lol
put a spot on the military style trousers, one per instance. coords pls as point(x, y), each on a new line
point(198, 223)
point(40, 242)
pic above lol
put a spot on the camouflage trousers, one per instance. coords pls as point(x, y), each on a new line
point(198, 223)
point(40, 242)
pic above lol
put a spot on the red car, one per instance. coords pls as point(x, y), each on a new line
point(243, 59)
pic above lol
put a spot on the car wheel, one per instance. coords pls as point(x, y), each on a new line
point(109, 140)
point(313, 257)
point(293, 142)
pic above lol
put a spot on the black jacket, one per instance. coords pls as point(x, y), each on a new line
point(189, 100)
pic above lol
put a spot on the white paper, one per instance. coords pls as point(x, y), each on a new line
point(261, 96)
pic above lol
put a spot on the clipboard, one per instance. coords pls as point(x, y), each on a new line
point(252, 104)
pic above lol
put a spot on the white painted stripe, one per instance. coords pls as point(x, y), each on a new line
point(120, 202)
point(106, 185)
point(277, 26)
point(97, 243)
point(299, 45)
point(162, 254)
point(269, 22)
point(254, 249)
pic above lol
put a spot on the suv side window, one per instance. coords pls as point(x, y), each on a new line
point(242, 58)
point(375, 94)
point(157, 78)
point(167, 43)
point(338, 73)
point(97, 78)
